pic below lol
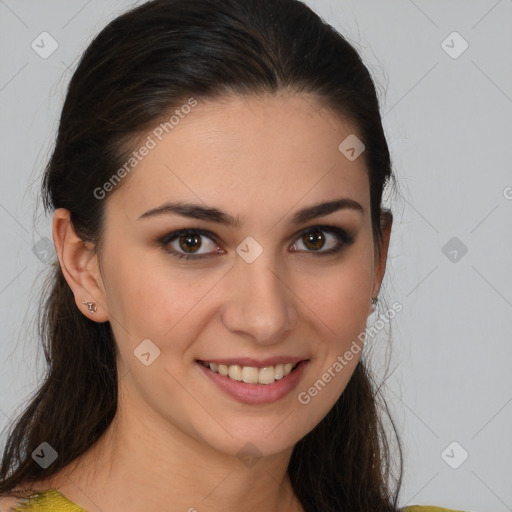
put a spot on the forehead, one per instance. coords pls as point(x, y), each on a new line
point(253, 153)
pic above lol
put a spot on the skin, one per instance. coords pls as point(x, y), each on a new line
point(176, 436)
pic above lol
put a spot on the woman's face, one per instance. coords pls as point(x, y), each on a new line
point(262, 293)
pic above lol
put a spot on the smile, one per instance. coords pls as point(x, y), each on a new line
point(252, 374)
point(252, 384)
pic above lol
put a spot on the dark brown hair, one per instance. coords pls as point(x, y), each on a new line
point(142, 65)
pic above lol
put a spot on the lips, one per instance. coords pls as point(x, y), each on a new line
point(239, 381)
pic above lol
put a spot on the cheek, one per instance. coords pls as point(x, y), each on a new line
point(147, 298)
point(327, 384)
point(340, 297)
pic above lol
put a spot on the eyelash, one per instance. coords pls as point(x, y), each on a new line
point(344, 239)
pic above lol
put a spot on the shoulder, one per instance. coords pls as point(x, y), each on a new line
point(50, 499)
point(8, 504)
point(11, 503)
point(16, 498)
point(426, 508)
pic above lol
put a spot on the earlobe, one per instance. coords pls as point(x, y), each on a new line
point(80, 267)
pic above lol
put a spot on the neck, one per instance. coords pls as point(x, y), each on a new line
point(144, 463)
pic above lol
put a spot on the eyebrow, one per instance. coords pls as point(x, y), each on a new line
point(212, 214)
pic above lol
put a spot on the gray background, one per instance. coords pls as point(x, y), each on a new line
point(448, 122)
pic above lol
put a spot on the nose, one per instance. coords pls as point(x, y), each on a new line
point(261, 306)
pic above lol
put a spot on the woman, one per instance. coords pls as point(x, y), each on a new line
point(216, 184)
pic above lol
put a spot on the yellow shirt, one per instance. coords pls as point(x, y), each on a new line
point(55, 501)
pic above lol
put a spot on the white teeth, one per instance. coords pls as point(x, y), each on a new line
point(235, 372)
point(266, 375)
point(251, 374)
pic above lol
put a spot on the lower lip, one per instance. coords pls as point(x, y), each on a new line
point(256, 393)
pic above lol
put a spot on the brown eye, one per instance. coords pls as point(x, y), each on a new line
point(313, 240)
point(186, 243)
point(323, 240)
point(190, 242)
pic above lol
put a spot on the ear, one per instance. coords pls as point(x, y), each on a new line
point(386, 222)
point(80, 266)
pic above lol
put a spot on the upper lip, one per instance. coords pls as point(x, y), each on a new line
point(260, 363)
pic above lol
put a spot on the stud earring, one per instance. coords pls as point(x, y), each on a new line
point(374, 304)
point(90, 305)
